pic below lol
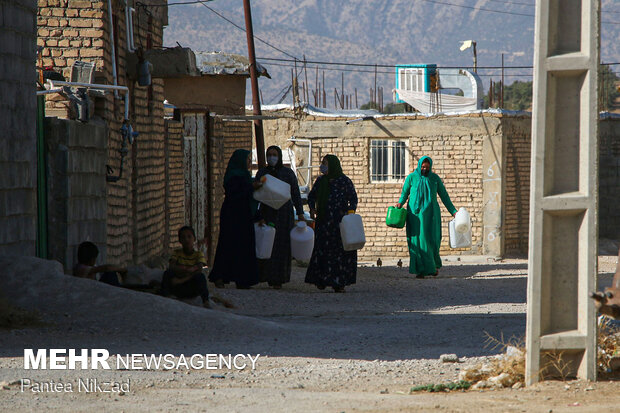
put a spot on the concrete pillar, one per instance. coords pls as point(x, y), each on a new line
point(493, 187)
point(561, 319)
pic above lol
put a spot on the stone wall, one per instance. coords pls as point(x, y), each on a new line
point(18, 109)
point(72, 30)
point(609, 178)
point(77, 205)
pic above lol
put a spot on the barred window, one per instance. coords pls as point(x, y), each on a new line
point(388, 160)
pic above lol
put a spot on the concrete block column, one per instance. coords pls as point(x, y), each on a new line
point(561, 321)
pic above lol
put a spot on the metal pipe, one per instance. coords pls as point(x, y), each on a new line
point(47, 92)
point(116, 88)
point(42, 234)
point(111, 28)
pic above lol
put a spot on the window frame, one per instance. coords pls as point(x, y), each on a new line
point(390, 146)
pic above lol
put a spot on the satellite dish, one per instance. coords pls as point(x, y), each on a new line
point(466, 44)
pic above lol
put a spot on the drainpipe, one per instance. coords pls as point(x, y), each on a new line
point(41, 243)
point(111, 28)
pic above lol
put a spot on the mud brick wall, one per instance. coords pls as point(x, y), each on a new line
point(18, 157)
point(72, 30)
point(518, 141)
point(175, 184)
point(224, 139)
point(609, 178)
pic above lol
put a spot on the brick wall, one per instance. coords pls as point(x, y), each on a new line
point(18, 158)
point(70, 30)
point(518, 137)
point(456, 159)
point(77, 205)
point(609, 178)
point(225, 138)
point(175, 192)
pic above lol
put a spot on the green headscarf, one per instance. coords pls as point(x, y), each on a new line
point(238, 166)
point(422, 196)
point(334, 170)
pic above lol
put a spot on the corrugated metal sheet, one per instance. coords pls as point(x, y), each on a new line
point(218, 63)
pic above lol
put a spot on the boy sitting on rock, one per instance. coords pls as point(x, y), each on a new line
point(85, 267)
point(184, 277)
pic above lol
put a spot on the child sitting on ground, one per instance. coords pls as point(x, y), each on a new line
point(184, 277)
point(85, 267)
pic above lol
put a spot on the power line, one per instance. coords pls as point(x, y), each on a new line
point(184, 3)
point(384, 65)
point(494, 11)
point(243, 30)
point(478, 8)
point(391, 72)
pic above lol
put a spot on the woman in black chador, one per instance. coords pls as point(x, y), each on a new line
point(331, 197)
point(235, 257)
point(277, 270)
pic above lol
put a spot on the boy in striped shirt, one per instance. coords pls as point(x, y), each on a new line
point(184, 277)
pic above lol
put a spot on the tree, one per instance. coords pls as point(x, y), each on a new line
point(608, 88)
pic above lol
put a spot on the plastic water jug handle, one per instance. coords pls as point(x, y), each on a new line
point(263, 178)
point(351, 211)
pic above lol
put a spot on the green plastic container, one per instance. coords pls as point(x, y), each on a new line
point(396, 217)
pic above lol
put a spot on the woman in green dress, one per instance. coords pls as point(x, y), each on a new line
point(424, 218)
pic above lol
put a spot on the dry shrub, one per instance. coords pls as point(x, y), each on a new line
point(511, 362)
point(13, 317)
point(555, 366)
point(608, 354)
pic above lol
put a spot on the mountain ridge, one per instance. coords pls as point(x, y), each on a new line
point(372, 31)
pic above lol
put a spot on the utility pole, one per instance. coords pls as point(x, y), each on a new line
point(258, 123)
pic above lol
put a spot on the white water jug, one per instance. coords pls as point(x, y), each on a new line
point(302, 241)
point(265, 235)
point(274, 192)
point(459, 239)
point(462, 221)
point(352, 232)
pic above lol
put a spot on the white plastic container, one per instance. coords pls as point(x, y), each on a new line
point(352, 232)
point(462, 221)
point(302, 241)
point(265, 235)
point(274, 192)
point(459, 239)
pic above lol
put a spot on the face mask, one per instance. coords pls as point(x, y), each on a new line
point(272, 160)
point(323, 169)
point(425, 173)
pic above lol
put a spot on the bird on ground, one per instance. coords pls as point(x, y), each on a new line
point(399, 263)
point(379, 263)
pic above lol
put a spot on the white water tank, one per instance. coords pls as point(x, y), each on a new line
point(274, 192)
point(462, 221)
point(302, 241)
point(265, 235)
point(352, 232)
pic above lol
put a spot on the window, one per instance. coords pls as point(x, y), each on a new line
point(388, 161)
point(411, 79)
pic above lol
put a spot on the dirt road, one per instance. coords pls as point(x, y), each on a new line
point(319, 351)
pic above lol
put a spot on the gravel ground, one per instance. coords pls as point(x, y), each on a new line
point(320, 351)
